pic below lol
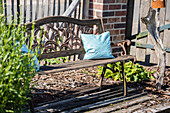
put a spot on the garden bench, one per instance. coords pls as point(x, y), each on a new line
point(62, 39)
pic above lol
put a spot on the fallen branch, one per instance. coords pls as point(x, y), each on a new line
point(150, 23)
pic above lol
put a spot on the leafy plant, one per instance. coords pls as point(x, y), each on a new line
point(16, 68)
point(133, 72)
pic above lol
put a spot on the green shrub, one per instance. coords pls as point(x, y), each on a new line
point(133, 72)
point(16, 68)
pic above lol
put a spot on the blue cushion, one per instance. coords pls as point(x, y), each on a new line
point(97, 46)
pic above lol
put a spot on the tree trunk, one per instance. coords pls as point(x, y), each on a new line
point(150, 23)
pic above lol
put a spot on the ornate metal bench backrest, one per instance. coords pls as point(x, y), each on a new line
point(61, 35)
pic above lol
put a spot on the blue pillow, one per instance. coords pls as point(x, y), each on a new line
point(97, 46)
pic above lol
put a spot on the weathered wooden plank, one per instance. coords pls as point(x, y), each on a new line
point(145, 33)
point(53, 7)
point(25, 7)
point(37, 9)
point(141, 53)
point(42, 8)
point(18, 10)
point(166, 40)
point(136, 17)
point(79, 10)
point(167, 16)
point(30, 10)
point(136, 23)
point(75, 13)
point(5, 10)
point(164, 27)
point(142, 45)
point(77, 99)
point(83, 64)
point(49, 7)
point(1, 6)
point(103, 103)
point(12, 9)
point(65, 5)
point(58, 7)
point(118, 107)
point(71, 8)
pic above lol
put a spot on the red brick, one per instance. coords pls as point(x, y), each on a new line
point(109, 1)
point(124, 6)
point(111, 20)
point(98, 14)
point(120, 25)
point(90, 5)
point(113, 32)
point(97, 6)
point(118, 37)
point(120, 13)
point(109, 26)
point(112, 7)
point(93, 0)
point(123, 19)
point(104, 20)
point(105, 7)
point(121, 1)
point(106, 14)
point(122, 37)
point(122, 31)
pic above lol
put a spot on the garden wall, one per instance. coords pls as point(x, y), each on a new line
point(113, 13)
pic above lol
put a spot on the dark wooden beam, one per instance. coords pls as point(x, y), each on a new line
point(129, 18)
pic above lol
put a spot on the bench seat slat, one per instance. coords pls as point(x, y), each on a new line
point(81, 64)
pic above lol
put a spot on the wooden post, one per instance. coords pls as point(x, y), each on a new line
point(150, 23)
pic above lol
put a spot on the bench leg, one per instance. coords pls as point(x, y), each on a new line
point(102, 76)
point(124, 79)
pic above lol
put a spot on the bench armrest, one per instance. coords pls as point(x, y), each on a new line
point(122, 44)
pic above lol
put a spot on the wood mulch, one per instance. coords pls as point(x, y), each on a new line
point(72, 83)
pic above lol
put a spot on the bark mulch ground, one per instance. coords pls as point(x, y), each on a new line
point(67, 84)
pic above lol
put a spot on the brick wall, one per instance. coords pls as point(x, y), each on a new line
point(113, 13)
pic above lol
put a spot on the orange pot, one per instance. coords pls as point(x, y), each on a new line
point(158, 3)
